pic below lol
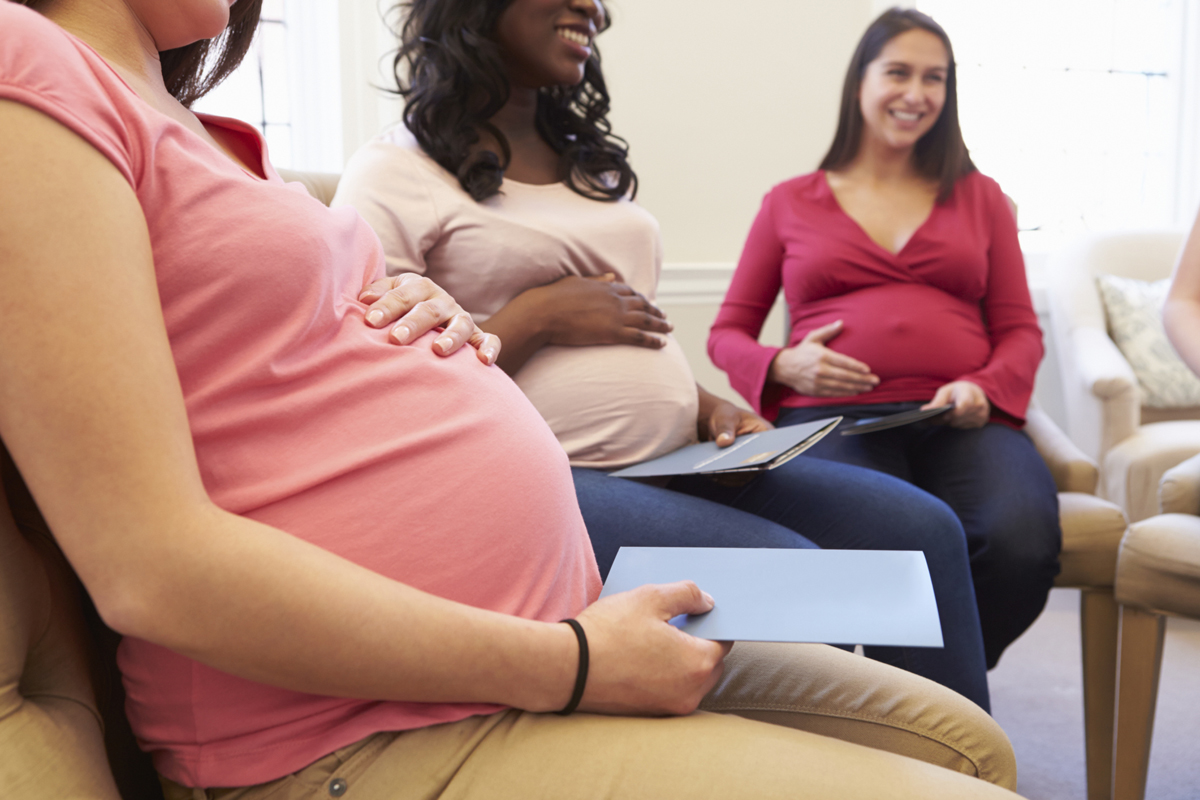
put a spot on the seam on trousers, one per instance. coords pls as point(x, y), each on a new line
point(488, 726)
point(885, 721)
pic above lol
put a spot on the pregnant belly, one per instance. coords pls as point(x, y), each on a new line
point(903, 332)
point(613, 405)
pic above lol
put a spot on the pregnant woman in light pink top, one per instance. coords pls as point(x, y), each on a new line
point(505, 187)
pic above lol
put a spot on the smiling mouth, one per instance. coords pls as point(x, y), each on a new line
point(574, 36)
point(906, 116)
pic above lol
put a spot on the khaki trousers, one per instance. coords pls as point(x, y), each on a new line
point(795, 721)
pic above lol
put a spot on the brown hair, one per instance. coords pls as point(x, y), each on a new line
point(183, 68)
point(941, 154)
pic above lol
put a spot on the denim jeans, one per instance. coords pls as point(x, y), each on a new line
point(998, 486)
point(805, 503)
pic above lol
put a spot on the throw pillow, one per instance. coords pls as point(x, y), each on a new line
point(1134, 312)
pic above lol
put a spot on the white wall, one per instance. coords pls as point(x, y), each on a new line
point(720, 101)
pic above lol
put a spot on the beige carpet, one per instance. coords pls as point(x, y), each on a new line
point(1036, 696)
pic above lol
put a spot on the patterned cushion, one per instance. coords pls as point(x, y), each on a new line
point(1134, 312)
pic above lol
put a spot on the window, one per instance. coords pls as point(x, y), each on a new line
point(289, 85)
point(1074, 106)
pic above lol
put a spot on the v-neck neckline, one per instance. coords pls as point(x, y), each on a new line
point(228, 123)
point(239, 128)
point(863, 231)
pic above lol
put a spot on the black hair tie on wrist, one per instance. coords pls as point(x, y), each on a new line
point(581, 675)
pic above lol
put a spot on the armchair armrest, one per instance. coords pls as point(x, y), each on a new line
point(321, 185)
point(1107, 378)
point(1104, 371)
point(1179, 489)
point(1158, 567)
point(1071, 469)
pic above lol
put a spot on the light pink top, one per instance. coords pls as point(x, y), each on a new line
point(609, 405)
point(432, 471)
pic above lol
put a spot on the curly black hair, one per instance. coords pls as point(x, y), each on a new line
point(450, 73)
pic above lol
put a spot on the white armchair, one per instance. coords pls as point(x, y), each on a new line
point(1134, 445)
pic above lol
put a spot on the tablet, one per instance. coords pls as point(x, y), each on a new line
point(872, 424)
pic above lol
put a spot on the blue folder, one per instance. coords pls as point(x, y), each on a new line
point(869, 597)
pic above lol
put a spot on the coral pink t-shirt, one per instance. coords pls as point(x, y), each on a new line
point(952, 305)
point(436, 472)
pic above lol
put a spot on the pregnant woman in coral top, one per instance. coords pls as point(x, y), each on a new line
point(906, 288)
point(339, 565)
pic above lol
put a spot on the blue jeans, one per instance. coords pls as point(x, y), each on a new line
point(998, 486)
point(806, 503)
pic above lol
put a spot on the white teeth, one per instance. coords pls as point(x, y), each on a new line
point(906, 116)
point(573, 36)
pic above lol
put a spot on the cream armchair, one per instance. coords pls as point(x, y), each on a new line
point(321, 185)
point(1158, 574)
point(1134, 445)
point(63, 731)
point(1092, 530)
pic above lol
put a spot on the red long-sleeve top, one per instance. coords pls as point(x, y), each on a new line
point(953, 304)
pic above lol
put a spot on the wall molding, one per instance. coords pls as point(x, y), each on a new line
point(694, 283)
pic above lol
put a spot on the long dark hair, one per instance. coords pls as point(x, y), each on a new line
point(456, 83)
point(183, 67)
point(941, 154)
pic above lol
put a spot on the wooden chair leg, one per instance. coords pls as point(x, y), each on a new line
point(1138, 665)
point(1098, 631)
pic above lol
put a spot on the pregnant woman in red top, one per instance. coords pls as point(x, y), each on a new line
point(906, 288)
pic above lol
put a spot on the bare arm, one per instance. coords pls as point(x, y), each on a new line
point(575, 311)
point(92, 412)
point(1181, 312)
